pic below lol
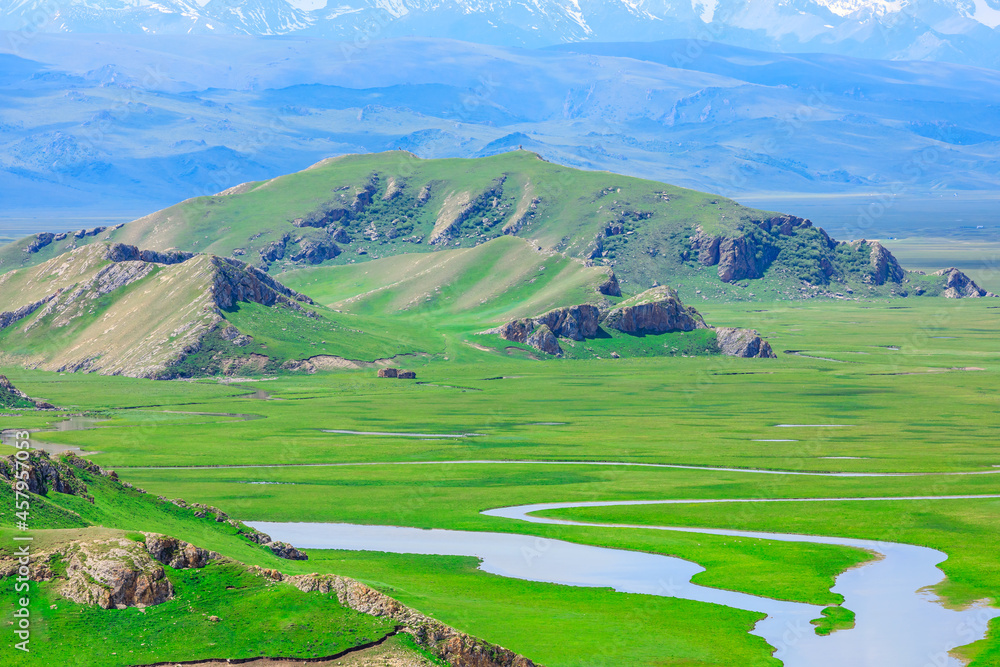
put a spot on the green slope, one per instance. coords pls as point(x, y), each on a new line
point(356, 208)
point(499, 280)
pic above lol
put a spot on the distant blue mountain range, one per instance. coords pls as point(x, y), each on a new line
point(138, 122)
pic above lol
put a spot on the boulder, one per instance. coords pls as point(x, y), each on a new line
point(388, 372)
point(745, 343)
point(406, 375)
point(610, 287)
point(655, 311)
point(340, 235)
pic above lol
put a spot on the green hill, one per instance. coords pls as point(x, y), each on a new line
point(101, 309)
point(357, 208)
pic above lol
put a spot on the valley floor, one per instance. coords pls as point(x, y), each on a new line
point(901, 387)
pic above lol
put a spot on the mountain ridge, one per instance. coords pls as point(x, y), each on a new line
point(947, 30)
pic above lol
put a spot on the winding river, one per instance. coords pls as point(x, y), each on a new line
point(899, 623)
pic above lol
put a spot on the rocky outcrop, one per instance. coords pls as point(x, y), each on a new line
point(115, 573)
point(575, 322)
point(655, 311)
point(36, 472)
point(122, 252)
point(957, 285)
point(339, 235)
point(274, 250)
point(286, 551)
point(610, 287)
point(543, 340)
point(406, 375)
point(11, 316)
point(177, 554)
point(745, 343)
point(388, 372)
point(40, 241)
point(738, 257)
point(314, 252)
point(237, 281)
point(884, 267)
point(454, 647)
point(12, 397)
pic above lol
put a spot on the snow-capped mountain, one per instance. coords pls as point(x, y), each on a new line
point(963, 31)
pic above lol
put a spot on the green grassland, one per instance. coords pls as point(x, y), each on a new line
point(912, 384)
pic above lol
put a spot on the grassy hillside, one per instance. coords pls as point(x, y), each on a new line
point(498, 280)
point(82, 311)
point(357, 208)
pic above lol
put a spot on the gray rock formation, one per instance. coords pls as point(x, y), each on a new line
point(340, 235)
point(122, 252)
point(655, 311)
point(575, 322)
point(610, 287)
point(40, 241)
point(177, 554)
point(9, 317)
point(884, 267)
point(237, 281)
point(286, 551)
point(315, 252)
point(543, 340)
point(960, 286)
point(115, 573)
point(41, 474)
point(274, 250)
point(745, 343)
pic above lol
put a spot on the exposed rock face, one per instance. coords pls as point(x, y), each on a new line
point(41, 474)
point(12, 397)
point(286, 551)
point(885, 268)
point(115, 573)
point(236, 281)
point(738, 258)
point(575, 322)
point(960, 286)
point(40, 241)
point(542, 339)
point(9, 317)
point(175, 553)
point(388, 372)
point(340, 235)
point(122, 252)
point(456, 648)
point(274, 250)
point(745, 343)
point(610, 286)
point(655, 311)
point(406, 375)
point(315, 252)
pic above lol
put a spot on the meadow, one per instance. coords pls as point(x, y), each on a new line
point(902, 386)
